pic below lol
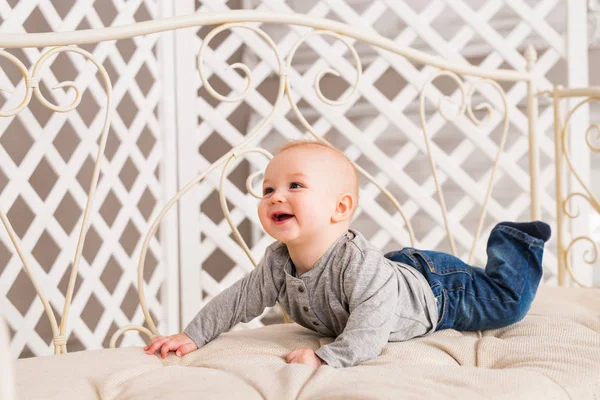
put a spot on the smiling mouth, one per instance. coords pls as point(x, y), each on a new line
point(281, 217)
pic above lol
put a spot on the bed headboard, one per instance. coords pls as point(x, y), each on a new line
point(455, 106)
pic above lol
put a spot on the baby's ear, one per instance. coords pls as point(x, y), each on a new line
point(343, 208)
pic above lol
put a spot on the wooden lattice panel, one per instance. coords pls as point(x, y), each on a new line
point(46, 163)
point(379, 128)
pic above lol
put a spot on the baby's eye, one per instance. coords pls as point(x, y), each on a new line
point(267, 191)
point(295, 185)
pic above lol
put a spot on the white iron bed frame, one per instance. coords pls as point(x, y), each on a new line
point(67, 42)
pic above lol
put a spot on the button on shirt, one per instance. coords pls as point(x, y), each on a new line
point(353, 293)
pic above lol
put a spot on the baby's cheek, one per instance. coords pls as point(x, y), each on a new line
point(323, 212)
point(316, 219)
point(262, 214)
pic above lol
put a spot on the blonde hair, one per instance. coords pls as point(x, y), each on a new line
point(302, 143)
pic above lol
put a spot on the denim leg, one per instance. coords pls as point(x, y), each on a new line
point(471, 298)
point(512, 274)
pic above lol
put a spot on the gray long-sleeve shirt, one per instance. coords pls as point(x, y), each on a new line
point(353, 292)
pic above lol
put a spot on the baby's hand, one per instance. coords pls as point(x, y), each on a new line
point(305, 356)
point(180, 343)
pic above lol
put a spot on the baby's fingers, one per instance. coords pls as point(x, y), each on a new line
point(185, 348)
point(292, 356)
point(152, 340)
point(166, 347)
point(155, 345)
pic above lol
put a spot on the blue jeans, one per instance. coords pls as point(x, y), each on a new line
point(470, 298)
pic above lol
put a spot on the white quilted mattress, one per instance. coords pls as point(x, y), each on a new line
point(554, 353)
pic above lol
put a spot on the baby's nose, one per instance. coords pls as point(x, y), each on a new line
point(277, 197)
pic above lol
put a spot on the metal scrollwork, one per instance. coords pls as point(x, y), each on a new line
point(28, 81)
point(568, 201)
point(223, 200)
point(588, 134)
point(587, 193)
point(587, 260)
point(237, 66)
point(465, 105)
point(349, 96)
point(32, 79)
point(565, 145)
point(225, 159)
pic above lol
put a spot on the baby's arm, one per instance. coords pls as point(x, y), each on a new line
point(241, 302)
point(372, 292)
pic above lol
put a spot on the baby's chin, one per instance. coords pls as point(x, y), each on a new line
point(283, 239)
point(287, 239)
point(277, 236)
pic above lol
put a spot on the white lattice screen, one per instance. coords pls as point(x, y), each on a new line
point(379, 128)
point(45, 157)
point(46, 162)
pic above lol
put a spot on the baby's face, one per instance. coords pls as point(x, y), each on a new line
point(299, 195)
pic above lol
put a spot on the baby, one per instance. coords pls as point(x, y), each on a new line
point(329, 279)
